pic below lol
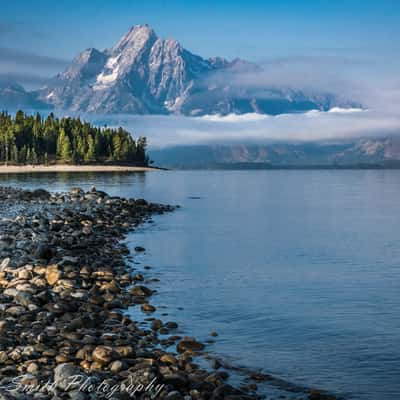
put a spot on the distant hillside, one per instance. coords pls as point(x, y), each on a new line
point(373, 152)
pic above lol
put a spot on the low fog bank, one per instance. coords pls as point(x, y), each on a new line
point(314, 126)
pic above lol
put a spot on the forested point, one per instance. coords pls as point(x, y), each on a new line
point(32, 139)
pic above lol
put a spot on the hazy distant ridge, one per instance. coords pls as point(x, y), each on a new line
point(383, 152)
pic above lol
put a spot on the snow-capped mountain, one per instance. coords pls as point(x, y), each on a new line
point(144, 74)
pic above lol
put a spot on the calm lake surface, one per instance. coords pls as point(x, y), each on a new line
point(298, 271)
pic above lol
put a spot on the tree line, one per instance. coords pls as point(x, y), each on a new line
point(33, 139)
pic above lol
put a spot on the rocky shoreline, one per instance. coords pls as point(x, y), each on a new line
point(65, 288)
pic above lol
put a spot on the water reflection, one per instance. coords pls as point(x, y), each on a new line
point(116, 183)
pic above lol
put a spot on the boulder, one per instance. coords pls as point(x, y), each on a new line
point(5, 264)
point(64, 376)
point(189, 344)
point(141, 291)
point(103, 355)
point(148, 308)
point(45, 252)
point(53, 274)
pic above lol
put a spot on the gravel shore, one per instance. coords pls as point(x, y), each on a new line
point(65, 288)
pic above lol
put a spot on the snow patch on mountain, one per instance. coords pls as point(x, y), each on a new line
point(109, 75)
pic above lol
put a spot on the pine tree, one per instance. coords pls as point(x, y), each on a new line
point(124, 153)
point(116, 144)
point(60, 142)
point(31, 139)
point(91, 150)
point(66, 151)
point(14, 153)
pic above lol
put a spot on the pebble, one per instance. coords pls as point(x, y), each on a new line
point(148, 308)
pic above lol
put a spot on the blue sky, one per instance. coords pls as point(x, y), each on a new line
point(350, 47)
point(251, 29)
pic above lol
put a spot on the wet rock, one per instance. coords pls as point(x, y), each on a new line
point(7, 242)
point(15, 355)
point(215, 364)
point(32, 368)
point(156, 324)
point(78, 191)
point(174, 395)
point(171, 325)
point(189, 344)
point(141, 291)
point(64, 375)
point(53, 274)
point(124, 351)
point(168, 359)
point(257, 376)
point(26, 300)
point(5, 264)
point(45, 252)
point(148, 308)
point(16, 311)
point(224, 391)
point(3, 357)
point(116, 366)
point(40, 194)
point(103, 355)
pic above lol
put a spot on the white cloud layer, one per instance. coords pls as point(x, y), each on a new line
point(336, 124)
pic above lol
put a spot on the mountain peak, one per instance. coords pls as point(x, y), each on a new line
point(142, 28)
point(87, 63)
point(137, 37)
point(90, 55)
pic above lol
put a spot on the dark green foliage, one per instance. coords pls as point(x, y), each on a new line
point(30, 139)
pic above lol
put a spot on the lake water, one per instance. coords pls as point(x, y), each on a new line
point(298, 271)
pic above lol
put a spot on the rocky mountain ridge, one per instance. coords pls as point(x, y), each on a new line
point(145, 74)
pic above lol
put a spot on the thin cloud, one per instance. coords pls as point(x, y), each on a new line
point(24, 79)
point(29, 69)
point(352, 79)
point(14, 56)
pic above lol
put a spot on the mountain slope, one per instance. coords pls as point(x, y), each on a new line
point(144, 74)
point(13, 97)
